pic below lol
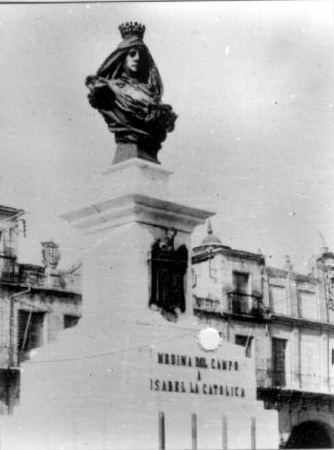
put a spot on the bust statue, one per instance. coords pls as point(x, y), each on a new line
point(127, 91)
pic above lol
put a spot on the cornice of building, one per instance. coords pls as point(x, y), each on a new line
point(227, 316)
point(8, 212)
point(300, 322)
point(284, 393)
point(209, 252)
point(277, 272)
point(40, 289)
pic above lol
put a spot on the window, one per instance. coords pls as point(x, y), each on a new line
point(307, 305)
point(240, 297)
point(70, 321)
point(30, 332)
point(310, 360)
point(278, 362)
point(278, 298)
point(240, 282)
point(245, 341)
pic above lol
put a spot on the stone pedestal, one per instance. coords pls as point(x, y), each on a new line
point(132, 211)
point(125, 377)
point(135, 176)
point(126, 151)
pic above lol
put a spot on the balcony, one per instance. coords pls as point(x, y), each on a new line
point(14, 273)
point(31, 275)
point(245, 304)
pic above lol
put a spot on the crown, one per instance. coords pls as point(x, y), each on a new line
point(132, 29)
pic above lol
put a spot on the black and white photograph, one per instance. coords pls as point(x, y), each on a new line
point(167, 225)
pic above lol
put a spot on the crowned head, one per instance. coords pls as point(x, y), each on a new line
point(129, 29)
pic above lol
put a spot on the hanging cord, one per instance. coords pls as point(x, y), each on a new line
point(26, 329)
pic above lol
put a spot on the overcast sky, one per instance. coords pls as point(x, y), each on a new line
point(251, 82)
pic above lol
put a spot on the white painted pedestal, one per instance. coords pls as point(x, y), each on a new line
point(101, 386)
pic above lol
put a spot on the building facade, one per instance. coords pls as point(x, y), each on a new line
point(285, 320)
point(36, 302)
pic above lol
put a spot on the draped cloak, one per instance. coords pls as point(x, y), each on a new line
point(131, 106)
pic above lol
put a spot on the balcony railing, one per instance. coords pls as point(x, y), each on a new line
point(12, 272)
point(32, 278)
point(283, 379)
point(240, 303)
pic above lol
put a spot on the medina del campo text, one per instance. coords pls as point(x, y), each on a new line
point(199, 362)
point(197, 387)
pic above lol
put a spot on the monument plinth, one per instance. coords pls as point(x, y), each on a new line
point(130, 375)
point(122, 231)
point(125, 151)
point(138, 372)
point(135, 175)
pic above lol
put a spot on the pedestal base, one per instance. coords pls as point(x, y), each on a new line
point(126, 378)
point(125, 151)
point(135, 176)
point(113, 391)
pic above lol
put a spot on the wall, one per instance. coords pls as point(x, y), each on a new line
point(51, 302)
